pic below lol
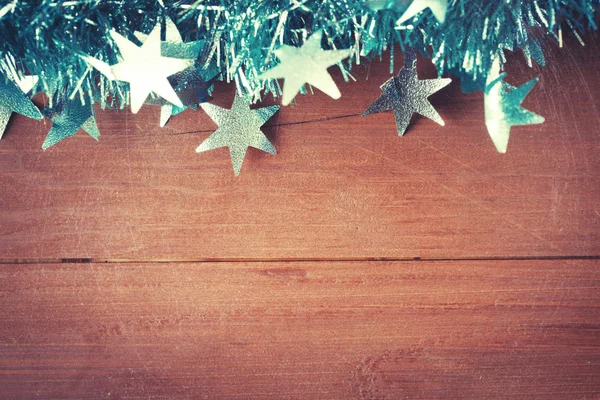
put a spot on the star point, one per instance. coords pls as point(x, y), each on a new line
point(437, 7)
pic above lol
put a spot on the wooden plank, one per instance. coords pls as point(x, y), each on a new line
point(340, 187)
point(328, 330)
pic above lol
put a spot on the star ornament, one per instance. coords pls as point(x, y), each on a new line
point(306, 64)
point(406, 94)
point(503, 107)
point(13, 99)
point(144, 68)
point(437, 7)
point(239, 128)
point(67, 118)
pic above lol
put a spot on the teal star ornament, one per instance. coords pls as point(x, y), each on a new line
point(437, 7)
point(406, 94)
point(13, 99)
point(144, 68)
point(67, 118)
point(306, 64)
point(503, 109)
point(239, 128)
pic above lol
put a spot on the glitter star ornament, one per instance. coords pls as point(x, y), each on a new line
point(13, 99)
point(437, 7)
point(306, 64)
point(503, 107)
point(406, 94)
point(144, 68)
point(239, 128)
point(67, 118)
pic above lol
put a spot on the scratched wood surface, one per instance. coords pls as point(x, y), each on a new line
point(306, 330)
point(341, 186)
point(504, 302)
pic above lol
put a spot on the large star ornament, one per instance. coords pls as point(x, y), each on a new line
point(13, 99)
point(144, 68)
point(437, 7)
point(406, 94)
point(239, 128)
point(306, 64)
point(67, 118)
point(503, 107)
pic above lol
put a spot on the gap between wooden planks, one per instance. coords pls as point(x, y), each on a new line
point(94, 260)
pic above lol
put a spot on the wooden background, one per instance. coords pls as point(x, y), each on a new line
point(352, 265)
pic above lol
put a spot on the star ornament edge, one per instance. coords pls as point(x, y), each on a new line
point(222, 138)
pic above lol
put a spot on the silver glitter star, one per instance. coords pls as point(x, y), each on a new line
point(503, 107)
point(239, 128)
point(67, 118)
point(406, 94)
point(12, 99)
point(306, 64)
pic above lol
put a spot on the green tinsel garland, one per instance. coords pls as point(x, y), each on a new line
point(48, 37)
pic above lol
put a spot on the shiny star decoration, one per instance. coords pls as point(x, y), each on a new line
point(67, 118)
point(437, 7)
point(406, 94)
point(144, 68)
point(13, 99)
point(306, 64)
point(239, 128)
point(503, 107)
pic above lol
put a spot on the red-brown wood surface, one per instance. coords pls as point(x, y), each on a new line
point(513, 312)
point(341, 186)
point(310, 330)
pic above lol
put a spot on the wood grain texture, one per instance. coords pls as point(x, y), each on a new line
point(341, 186)
point(398, 330)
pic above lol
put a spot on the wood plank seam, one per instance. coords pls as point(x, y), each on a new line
point(90, 260)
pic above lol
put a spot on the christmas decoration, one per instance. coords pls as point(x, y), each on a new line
point(314, 62)
point(12, 99)
point(503, 107)
point(406, 94)
point(113, 52)
point(144, 68)
point(67, 118)
point(239, 128)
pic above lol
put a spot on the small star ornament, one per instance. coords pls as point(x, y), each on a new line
point(67, 118)
point(437, 7)
point(306, 64)
point(239, 128)
point(13, 99)
point(144, 68)
point(406, 94)
point(503, 107)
